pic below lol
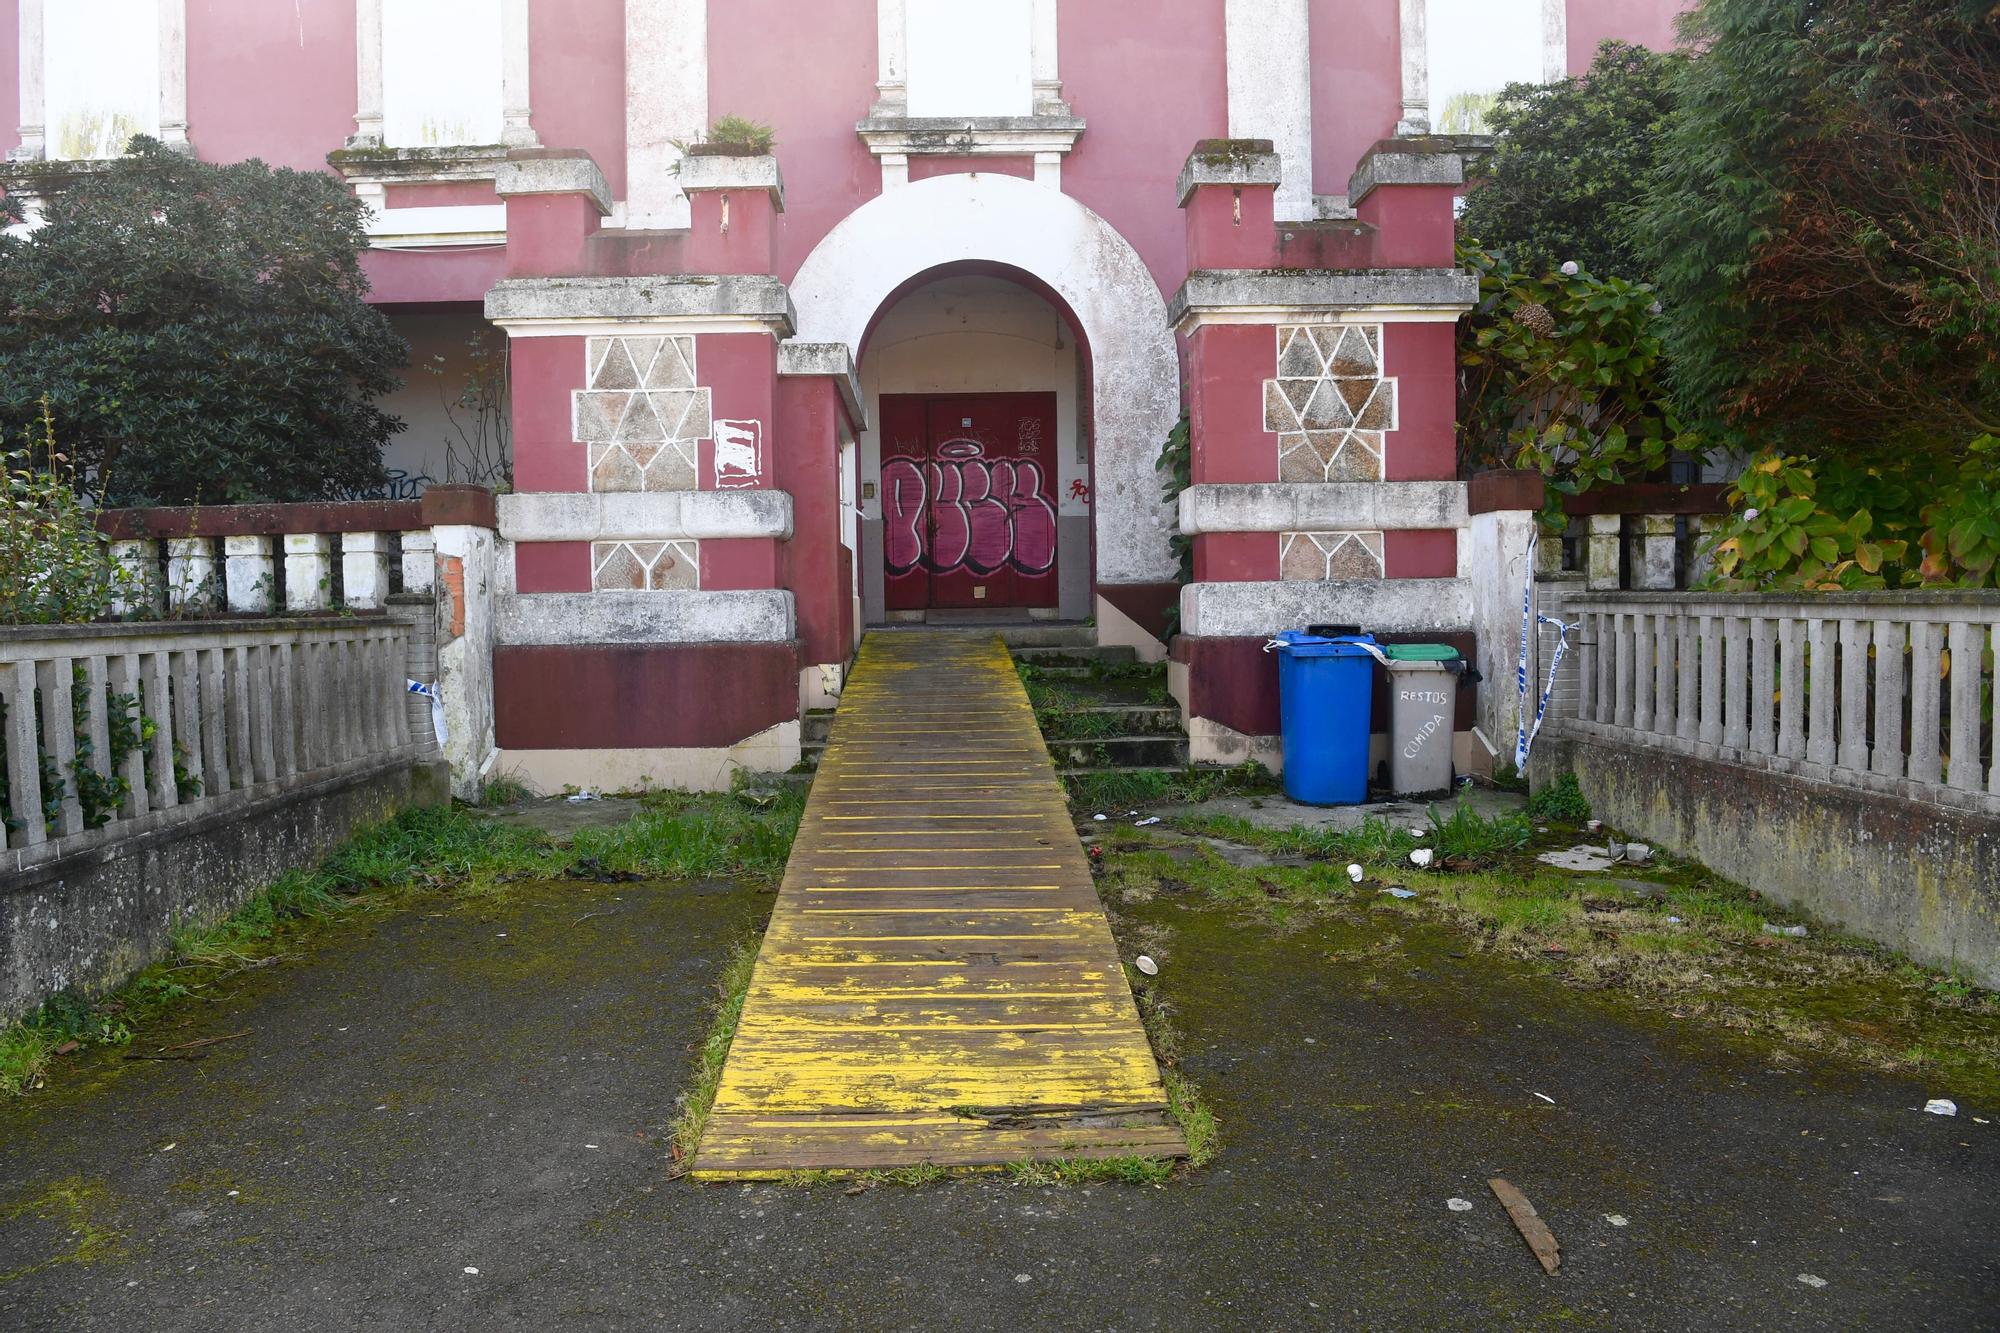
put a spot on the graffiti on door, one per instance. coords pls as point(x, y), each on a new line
point(962, 510)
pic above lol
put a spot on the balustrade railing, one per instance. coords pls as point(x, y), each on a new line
point(112, 729)
point(269, 559)
point(1891, 692)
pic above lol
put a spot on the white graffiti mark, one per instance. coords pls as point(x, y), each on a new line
point(739, 454)
point(1028, 440)
point(983, 514)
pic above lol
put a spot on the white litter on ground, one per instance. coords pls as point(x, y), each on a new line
point(1147, 965)
point(1354, 872)
point(1618, 1219)
point(1941, 1106)
point(1545, 1097)
point(1397, 892)
point(1420, 857)
point(1811, 1280)
point(1459, 1205)
point(1583, 856)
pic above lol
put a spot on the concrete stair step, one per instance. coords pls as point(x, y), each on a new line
point(1102, 752)
point(1122, 719)
point(1077, 655)
point(816, 725)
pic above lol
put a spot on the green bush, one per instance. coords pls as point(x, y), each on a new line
point(1562, 801)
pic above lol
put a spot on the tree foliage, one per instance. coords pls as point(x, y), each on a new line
point(55, 568)
point(1570, 161)
point(200, 331)
point(1825, 225)
point(1563, 373)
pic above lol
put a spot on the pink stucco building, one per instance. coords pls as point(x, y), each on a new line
point(921, 358)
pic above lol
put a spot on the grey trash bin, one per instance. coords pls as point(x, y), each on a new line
point(1423, 699)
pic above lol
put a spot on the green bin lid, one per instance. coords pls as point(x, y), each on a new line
point(1420, 652)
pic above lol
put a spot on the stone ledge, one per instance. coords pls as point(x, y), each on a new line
point(1277, 506)
point(1277, 294)
point(731, 296)
point(557, 618)
point(1438, 159)
point(1222, 610)
point(530, 172)
point(389, 165)
point(717, 171)
point(554, 516)
point(796, 358)
point(1232, 162)
point(969, 136)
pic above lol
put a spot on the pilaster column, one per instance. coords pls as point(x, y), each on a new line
point(1415, 44)
point(666, 98)
point(33, 96)
point(516, 128)
point(1270, 91)
point(367, 75)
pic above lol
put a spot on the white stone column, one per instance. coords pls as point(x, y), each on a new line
point(192, 573)
point(1499, 568)
point(1555, 40)
point(250, 573)
point(367, 75)
point(173, 74)
point(666, 98)
point(1656, 553)
point(1602, 559)
point(516, 125)
point(419, 560)
point(308, 571)
point(1270, 91)
point(465, 557)
point(33, 96)
point(891, 61)
point(1414, 39)
point(364, 570)
point(141, 590)
point(1048, 99)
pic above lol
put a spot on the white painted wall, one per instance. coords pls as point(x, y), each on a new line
point(441, 72)
point(101, 75)
point(969, 59)
point(973, 335)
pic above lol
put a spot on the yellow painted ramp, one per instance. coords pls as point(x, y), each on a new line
point(938, 982)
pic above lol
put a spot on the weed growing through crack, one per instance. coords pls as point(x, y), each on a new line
point(691, 1115)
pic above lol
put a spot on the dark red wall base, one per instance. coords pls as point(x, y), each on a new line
point(1145, 603)
point(1235, 682)
point(627, 696)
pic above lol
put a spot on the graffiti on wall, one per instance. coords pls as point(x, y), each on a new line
point(962, 510)
point(739, 454)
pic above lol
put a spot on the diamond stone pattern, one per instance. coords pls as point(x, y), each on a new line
point(645, 566)
point(1318, 557)
point(1330, 402)
point(640, 417)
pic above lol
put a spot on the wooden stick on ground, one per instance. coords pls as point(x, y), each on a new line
point(1526, 1221)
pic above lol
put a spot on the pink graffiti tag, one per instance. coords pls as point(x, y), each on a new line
point(985, 514)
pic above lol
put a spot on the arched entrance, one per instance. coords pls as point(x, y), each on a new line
point(975, 470)
point(1050, 246)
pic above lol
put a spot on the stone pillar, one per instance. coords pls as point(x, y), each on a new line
point(733, 205)
point(1602, 556)
point(463, 523)
point(1269, 79)
point(364, 570)
point(250, 573)
point(1406, 189)
point(555, 201)
point(419, 561)
point(1505, 507)
point(308, 571)
point(1228, 190)
point(140, 593)
point(192, 576)
point(1701, 560)
point(1656, 572)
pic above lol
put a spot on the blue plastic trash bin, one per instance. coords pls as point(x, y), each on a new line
point(1326, 690)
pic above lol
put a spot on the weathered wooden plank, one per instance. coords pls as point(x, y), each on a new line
point(937, 944)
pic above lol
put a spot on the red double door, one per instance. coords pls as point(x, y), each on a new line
point(968, 500)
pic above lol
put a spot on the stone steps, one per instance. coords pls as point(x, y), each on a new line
point(1120, 752)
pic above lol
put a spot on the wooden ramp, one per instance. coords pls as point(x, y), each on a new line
point(938, 982)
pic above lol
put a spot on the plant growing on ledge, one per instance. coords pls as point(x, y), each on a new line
point(729, 136)
point(200, 329)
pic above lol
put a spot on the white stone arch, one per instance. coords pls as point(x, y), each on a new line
point(1135, 369)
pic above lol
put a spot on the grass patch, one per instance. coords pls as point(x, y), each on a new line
point(69, 1205)
point(676, 835)
point(1692, 943)
point(1092, 1170)
point(1560, 802)
point(691, 1115)
point(1135, 787)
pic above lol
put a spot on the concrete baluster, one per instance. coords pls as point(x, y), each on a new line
point(1926, 650)
point(1791, 688)
point(1822, 694)
point(1656, 568)
point(419, 560)
point(1736, 670)
point(250, 574)
point(126, 680)
point(1644, 671)
point(1763, 732)
point(1687, 690)
point(1853, 748)
point(308, 571)
point(157, 676)
point(59, 739)
point(364, 570)
point(1602, 556)
point(139, 591)
point(24, 768)
point(1886, 755)
point(1964, 773)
